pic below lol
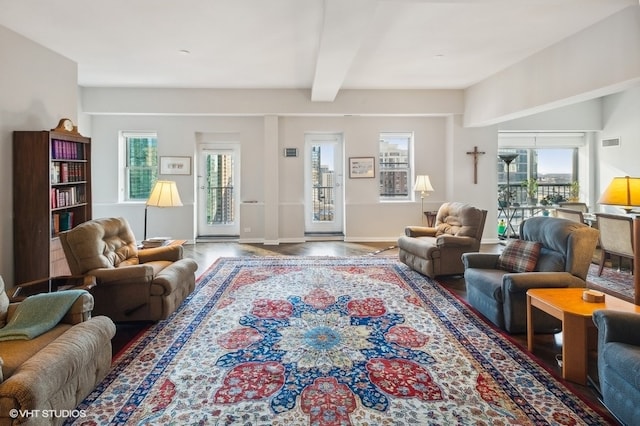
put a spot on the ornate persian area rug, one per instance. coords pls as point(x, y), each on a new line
point(612, 281)
point(327, 341)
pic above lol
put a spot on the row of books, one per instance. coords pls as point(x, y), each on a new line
point(65, 150)
point(64, 197)
point(67, 172)
point(61, 222)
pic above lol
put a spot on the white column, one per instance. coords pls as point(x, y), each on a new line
point(271, 181)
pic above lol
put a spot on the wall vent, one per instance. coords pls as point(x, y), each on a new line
point(610, 142)
point(291, 152)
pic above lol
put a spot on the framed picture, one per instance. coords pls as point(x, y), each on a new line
point(361, 167)
point(175, 165)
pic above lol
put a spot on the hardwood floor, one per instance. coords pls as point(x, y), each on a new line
point(205, 253)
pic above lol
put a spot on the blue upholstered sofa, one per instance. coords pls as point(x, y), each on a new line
point(619, 363)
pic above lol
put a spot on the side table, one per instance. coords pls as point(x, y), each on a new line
point(566, 304)
point(52, 284)
point(431, 217)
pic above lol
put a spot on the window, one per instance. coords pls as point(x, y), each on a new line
point(395, 166)
point(554, 170)
point(141, 164)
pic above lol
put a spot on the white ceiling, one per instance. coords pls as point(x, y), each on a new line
point(323, 45)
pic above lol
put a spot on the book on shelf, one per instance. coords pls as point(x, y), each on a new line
point(66, 221)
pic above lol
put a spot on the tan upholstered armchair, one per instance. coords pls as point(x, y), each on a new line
point(132, 284)
point(54, 370)
point(437, 250)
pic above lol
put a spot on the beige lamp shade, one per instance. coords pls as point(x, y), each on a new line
point(164, 194)
point(423, 184)
point(623, 192)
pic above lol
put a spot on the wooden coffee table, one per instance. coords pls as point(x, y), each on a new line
point(567, 305)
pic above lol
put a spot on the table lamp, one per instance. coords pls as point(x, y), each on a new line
point(164, 194)
point(423, 184)
point(623, 192)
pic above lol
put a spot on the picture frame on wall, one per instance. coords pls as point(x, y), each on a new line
point(361, 167)
point(175, 165)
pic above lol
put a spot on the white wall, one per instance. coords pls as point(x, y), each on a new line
point(620, 116)
point(600, 60)
point(366, 218)
point(32, 97)
point(177, 136)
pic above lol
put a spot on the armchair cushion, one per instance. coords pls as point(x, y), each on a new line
point(519, 256)
point(57, 370)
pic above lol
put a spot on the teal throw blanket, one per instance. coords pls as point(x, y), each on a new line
point(38, 314)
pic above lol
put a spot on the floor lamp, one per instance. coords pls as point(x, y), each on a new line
point(423, 184)
point(508, 158)
point(164, 194)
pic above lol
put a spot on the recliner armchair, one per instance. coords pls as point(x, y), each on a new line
point(618, 361)
point(437, 250)
point(566, 249)
point(132, 284)
point(57, 369)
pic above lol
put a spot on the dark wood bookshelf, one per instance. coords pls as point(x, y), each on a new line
point(51, 193)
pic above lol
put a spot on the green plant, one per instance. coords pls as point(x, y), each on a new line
point(531, 187)
point(574, 191)
point(505, 196)
point(554, 198)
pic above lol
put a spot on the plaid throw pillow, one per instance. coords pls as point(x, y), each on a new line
point(519, 256)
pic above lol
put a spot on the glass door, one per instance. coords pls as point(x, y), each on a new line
point(218, 190)
point(324, 198)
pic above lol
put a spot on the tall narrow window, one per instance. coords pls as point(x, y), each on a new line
point(395, 166)
point(141, 164)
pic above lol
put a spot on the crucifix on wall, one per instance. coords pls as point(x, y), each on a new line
point(475, 154)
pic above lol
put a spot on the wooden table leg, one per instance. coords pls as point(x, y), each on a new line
point(574, 348)
point(529, 325)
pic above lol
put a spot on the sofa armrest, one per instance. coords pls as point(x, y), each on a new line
point(420, 231)
point(480, 260)
point(80, 311)
point(520, 282)
point(617, 326)
point(171, 253)
point(41, 378)
point(447, 240)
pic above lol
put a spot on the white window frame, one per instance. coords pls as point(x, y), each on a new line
point(408, 168)
point(125, 190)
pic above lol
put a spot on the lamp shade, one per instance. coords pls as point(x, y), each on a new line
point(423, 184)
point(508, 158)
point(623, 192)
point(164, 194)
